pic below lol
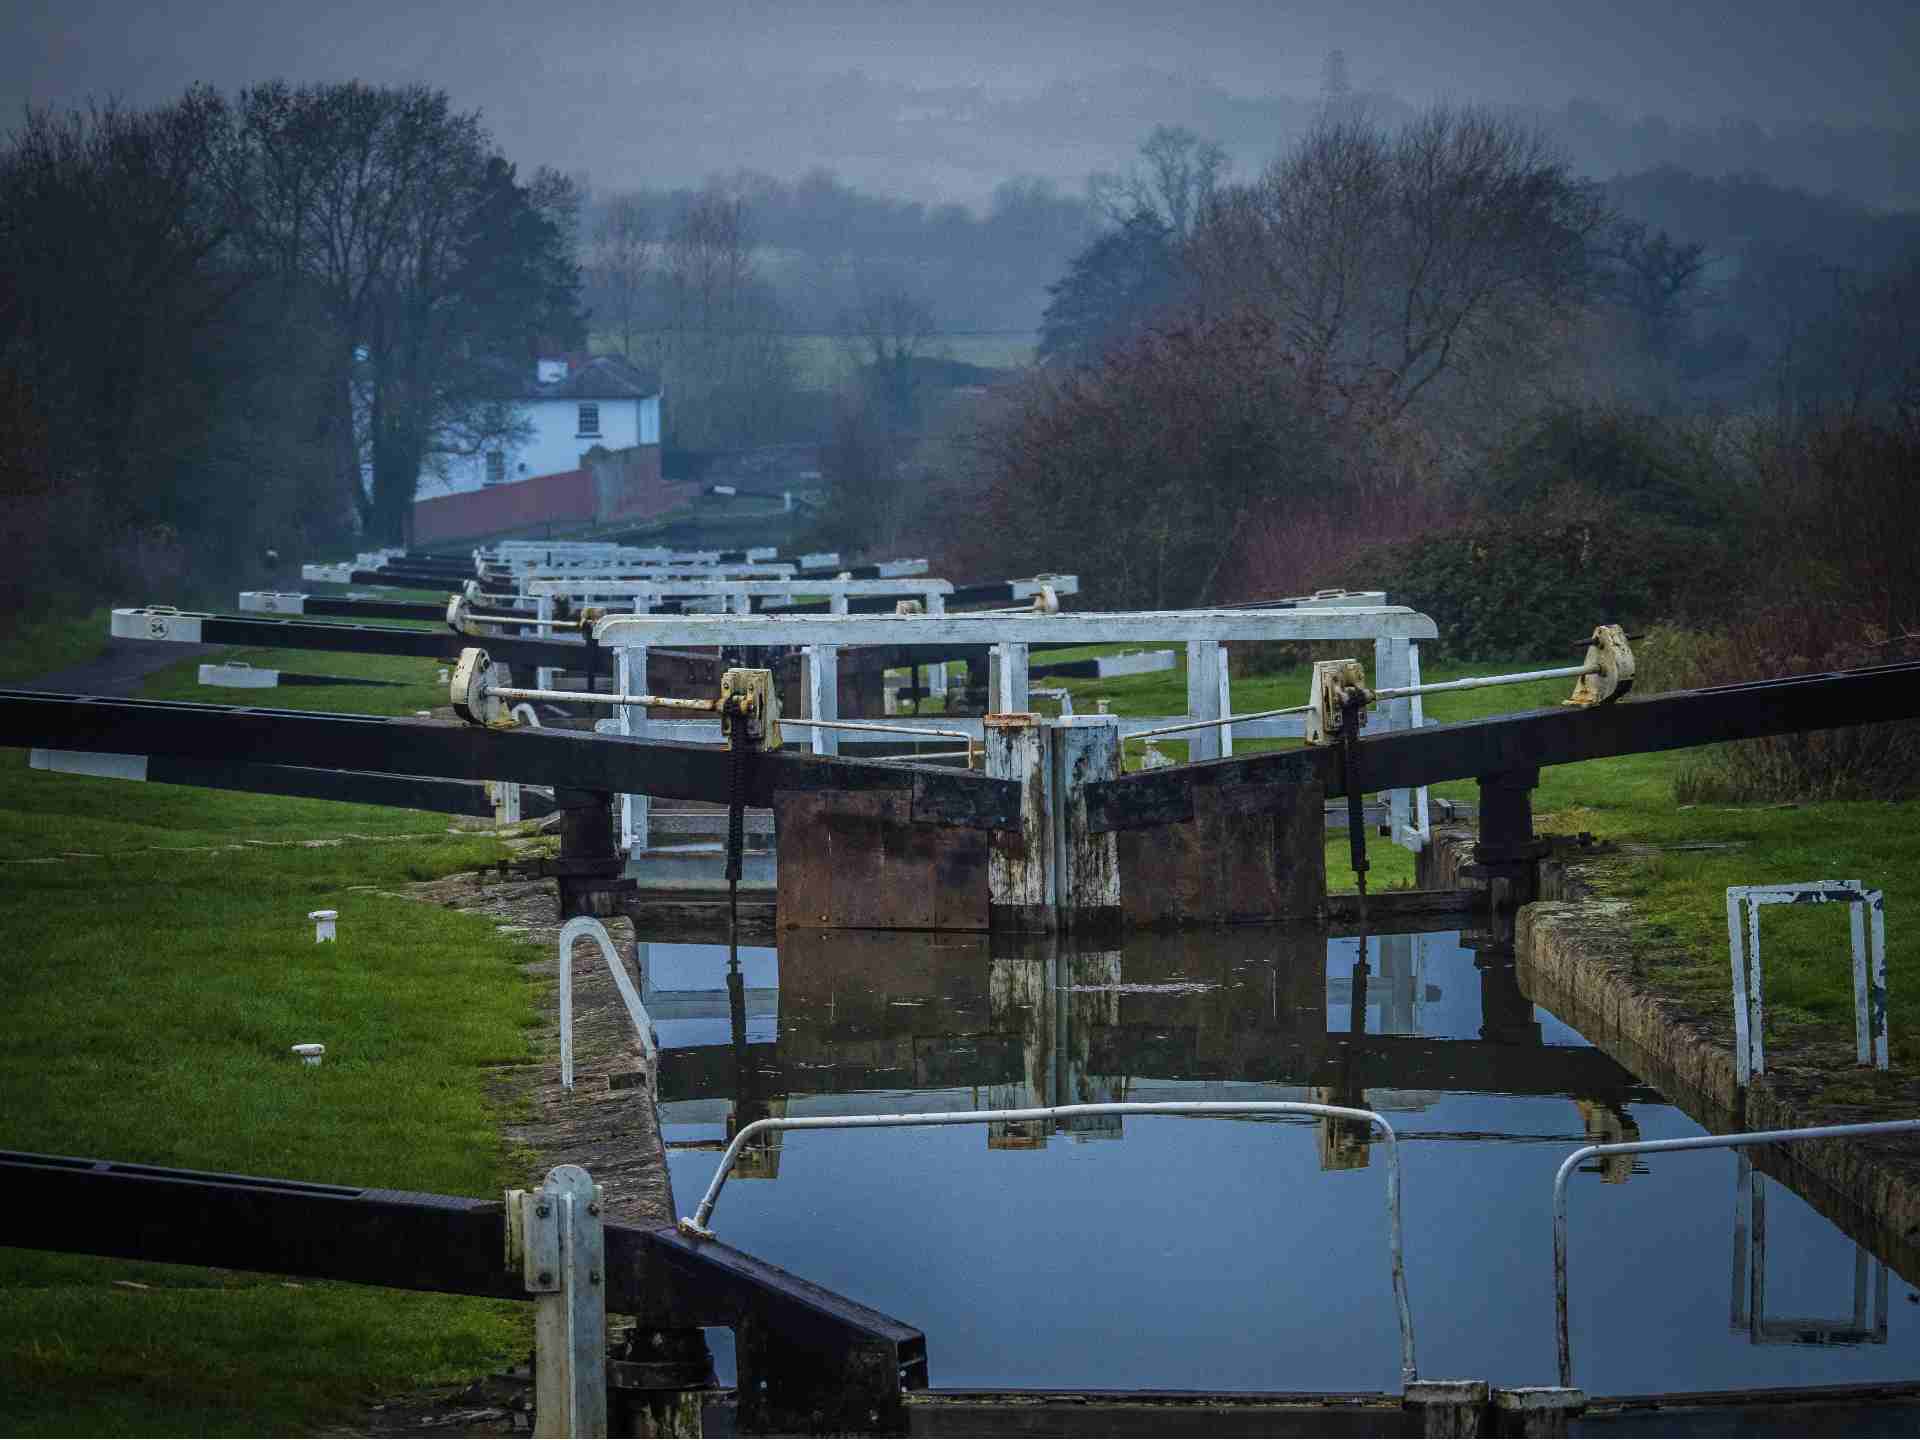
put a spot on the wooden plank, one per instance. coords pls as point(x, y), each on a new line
point(1562, 735)
point(1299, 852)
point(1241, 825)
point(805, 873)
point(454, 751)
point(862, 839)
point(959, 879)
point(856, 859)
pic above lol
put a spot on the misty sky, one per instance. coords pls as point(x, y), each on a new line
point(940, 100)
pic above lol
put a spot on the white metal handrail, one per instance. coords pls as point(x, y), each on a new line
point(1646, 1147)
point(1221, 720)
point(963, 736)
point(1482, 682)
point(1391, 692)
point(573, 930)
point(698, 1225)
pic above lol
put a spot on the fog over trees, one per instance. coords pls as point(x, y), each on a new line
point(235, 320)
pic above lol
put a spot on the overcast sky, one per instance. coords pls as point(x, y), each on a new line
point(939, 99)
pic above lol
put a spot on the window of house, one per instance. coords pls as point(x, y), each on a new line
point(590, 419)
point(496, 467)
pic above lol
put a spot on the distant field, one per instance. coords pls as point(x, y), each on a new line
point(822, 360)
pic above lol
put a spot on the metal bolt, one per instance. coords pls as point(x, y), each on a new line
point(546, 1277)
point(543, 1210)
point(593, 1207)
point(593, 1277)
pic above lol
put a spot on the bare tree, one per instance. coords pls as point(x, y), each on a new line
point(622, 263)
point(708, 259)
point(1655, 278)
point(1398, 258)
point(1175, 180)
point(724, 355)
point(886, 332)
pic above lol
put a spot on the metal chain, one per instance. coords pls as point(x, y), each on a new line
point(740, 759)
point(1352, 707)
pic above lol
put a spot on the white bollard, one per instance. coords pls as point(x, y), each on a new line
point(310, 1054)
point(323, 924)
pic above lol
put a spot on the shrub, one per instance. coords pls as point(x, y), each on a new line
point(1535, 581)
point(1140, 472)
point(1635, 461)
point(1858, 762)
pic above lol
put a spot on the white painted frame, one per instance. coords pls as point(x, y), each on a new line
point(1867, 917)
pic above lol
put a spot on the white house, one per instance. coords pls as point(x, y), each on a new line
point(572, 406)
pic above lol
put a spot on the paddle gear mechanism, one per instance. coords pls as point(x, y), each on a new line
point(1328, 715)
point(1609, 668)
point(473, 692)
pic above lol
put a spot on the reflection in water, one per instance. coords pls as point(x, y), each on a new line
point(1021, 1022)
point(1750, 1281)
point(867, 1022)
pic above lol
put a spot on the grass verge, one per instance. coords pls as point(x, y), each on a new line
point(160, 963)
point(41, 645)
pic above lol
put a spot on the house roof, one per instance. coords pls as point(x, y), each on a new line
point(605, 377)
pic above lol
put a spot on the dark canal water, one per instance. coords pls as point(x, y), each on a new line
point(1234, 1254)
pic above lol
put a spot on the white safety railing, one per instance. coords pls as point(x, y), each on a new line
point(699, 1224)
point(1867, 914)
point(1396, 633)
point(1653, 1147)
point(590, 928)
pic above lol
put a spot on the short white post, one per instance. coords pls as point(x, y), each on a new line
point(310, 1054)
point(1007, 678)
point(545, 677)
point(506, 802)
point(630, 673)
point(556, 1239)
point(1020, 867)
point(1737, 955)
point(937, 672)
point(323, 928)
point(1204, 698)
point(1086, 749)
point(823, 695)
point(1223, 678)
point(1396, 665)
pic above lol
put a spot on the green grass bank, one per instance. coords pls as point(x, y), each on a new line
point(159, 964)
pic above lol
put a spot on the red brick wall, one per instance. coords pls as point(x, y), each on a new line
point(566, 498)
point(623, 487)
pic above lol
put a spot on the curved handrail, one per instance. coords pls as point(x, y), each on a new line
point(1690, 1142)
point(697, 1226)
point(570, 932)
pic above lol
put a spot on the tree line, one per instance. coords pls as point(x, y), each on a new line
point(1261, 386)
point(233, 323)
point(821, 246)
